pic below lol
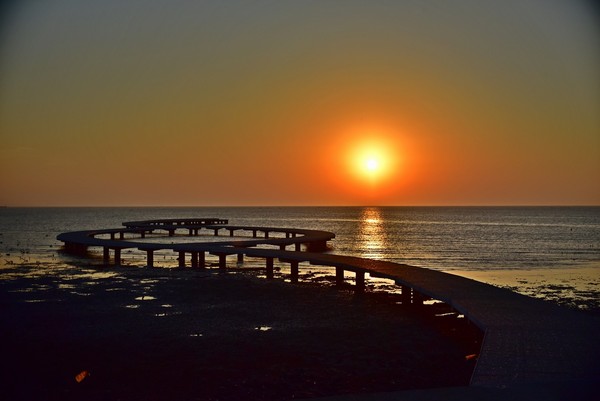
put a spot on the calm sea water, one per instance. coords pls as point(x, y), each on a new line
point(446, 238)
point(476, 239)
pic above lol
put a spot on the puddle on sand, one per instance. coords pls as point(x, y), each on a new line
point(263, 328)
point(95, 275)
point(145, 298)
point(163, 314)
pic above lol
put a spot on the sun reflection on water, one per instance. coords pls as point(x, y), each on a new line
point(372, 237)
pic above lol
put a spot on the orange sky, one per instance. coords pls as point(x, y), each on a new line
point(473, 103)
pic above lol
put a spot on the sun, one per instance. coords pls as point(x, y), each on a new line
point(366, 161)
point(371, 160)
point(372, 164)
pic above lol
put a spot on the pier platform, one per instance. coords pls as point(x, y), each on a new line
point(527, 342)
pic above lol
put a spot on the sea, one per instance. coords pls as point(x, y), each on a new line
point(546, 252)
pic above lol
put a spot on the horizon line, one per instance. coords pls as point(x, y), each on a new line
point(291, 206)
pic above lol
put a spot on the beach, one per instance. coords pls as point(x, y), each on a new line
point(181, 334)
point(573, 287)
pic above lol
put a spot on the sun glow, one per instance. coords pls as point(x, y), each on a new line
point(366, 163)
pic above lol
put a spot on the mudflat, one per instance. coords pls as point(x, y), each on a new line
point(158, 334)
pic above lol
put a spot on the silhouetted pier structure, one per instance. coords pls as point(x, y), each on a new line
point(526, 340)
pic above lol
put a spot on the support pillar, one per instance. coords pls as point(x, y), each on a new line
point(181, 259)
point(171, 233)
point(360, 281)
point(231, 233)
point(150, 258)
point(282, 247)
point(112, 235)
point(240, 258)
point(297, 247)
point(194, 260)
point(216, 230)
point(339, 276)
point(270, 273)
point(117, 257)
point(190, 232)
point(418, 298)
point(121, 235)
point(266, 234)
point(294, 271)
point(201, 260)
point(406, 295)
point(143, 233)
point(222, 261)
point(253, 233)
point(106, 256)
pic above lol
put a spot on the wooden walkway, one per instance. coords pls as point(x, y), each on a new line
point(526, 340)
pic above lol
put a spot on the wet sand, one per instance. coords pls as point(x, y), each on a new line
point(157, 334)
point(573, 287)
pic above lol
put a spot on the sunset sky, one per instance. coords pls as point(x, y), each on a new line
point(204, 103)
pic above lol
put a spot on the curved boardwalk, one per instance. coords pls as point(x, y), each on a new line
point(526, 340)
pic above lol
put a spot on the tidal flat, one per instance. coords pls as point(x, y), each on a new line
point(171, 334)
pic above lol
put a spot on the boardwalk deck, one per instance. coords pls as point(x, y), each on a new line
point(526, 340)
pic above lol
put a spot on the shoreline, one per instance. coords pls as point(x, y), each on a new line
point(231, 335)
